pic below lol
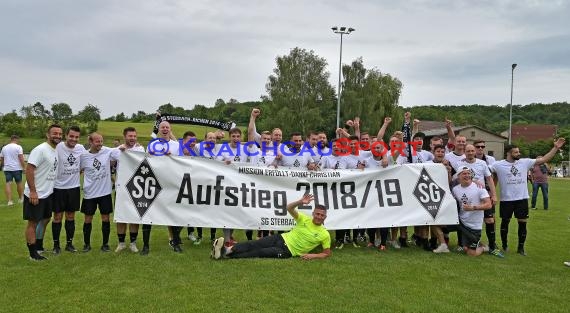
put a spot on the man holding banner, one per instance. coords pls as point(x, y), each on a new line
point(307, 234)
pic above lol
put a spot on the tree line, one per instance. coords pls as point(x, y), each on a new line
point(299, 97)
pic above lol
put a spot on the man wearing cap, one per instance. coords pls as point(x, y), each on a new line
point(473, 201)
point(12, 159)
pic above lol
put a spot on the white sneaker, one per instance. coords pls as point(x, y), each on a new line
point(122, 246)
point(133, 247)
point(459, 249)
point(485, 247)
point(442, 248)
point(10, 203)
point(191, 237)
point(21, 200)
point(395, 244)
point(567, 263)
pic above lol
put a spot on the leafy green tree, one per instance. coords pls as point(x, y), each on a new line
point(300, 95)
point(90, 115)
point(61, 113)
point(370, 95)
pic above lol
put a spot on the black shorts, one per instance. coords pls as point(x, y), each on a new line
point(105, 203)
point(518, 207)
point(490, 212)
point(469, 237)
point(37, 212)
point(66, 200)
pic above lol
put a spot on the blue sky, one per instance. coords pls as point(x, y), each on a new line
point(125, 56)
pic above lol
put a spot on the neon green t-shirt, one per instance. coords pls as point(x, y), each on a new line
point(306, 236)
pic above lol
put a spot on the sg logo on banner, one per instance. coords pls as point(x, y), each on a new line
point(428, 193)
point(143, 188)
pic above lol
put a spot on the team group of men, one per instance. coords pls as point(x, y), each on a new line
point(54, 167)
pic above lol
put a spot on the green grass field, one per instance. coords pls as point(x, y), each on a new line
point(352, 280)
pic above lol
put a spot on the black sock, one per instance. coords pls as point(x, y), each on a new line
point(190, 230)
point(32, 249)
point(505, 231)
point(490, 230)
point(213, 233)
point(106, 229)
point(133, 236)
point(121, 237)
point(522, 234)
point(69, 230)
point(433, 243)
point(249, 234)
point(40, 244)
point(146, 234)
point(87, 233)
point(384, 236)
point(56, 231)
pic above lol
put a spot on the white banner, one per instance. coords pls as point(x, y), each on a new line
point(190, 191)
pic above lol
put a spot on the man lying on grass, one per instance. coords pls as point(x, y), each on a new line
point(307, 234)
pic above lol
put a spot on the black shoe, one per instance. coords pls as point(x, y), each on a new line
point(521, 251)
point(105, 248)
point(56, 250)
point(86, 248)
point(70, 248)
point(37, 257)
point(145, 250)
point(177, 248)
point(171, 243)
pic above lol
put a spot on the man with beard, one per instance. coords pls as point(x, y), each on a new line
point(97, 188)
point(41, 172)
point(66, 192)
point(512, 175)
point(131, 144)
point(298, 156)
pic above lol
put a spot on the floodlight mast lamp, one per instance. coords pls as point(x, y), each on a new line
point(342, 31)
point(511, 106)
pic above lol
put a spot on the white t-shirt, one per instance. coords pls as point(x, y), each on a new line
point(512, 178)
point(489, 159)
point(262, 158)
point(97, 172)
point(320, 153)
point(479, 169)
point(44, 158)
point(421, 157)
point(332, 162)
point(300, 160)
point(454, 158)
point(373, 163)
point(11, 153)
point(352, 161)
point(471, 195)
point(236, 155)
point(68, 160)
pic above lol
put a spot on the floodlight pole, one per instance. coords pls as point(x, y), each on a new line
point(342, 31)
point(511, 106)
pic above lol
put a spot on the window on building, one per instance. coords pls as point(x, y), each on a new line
point(472, 133)
point(491, 153)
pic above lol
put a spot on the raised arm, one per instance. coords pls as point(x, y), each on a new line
point(547, 157)
point(356, 125)
point(450, 132)
point(292, 207)
point(252, 133)
point(382, 131)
